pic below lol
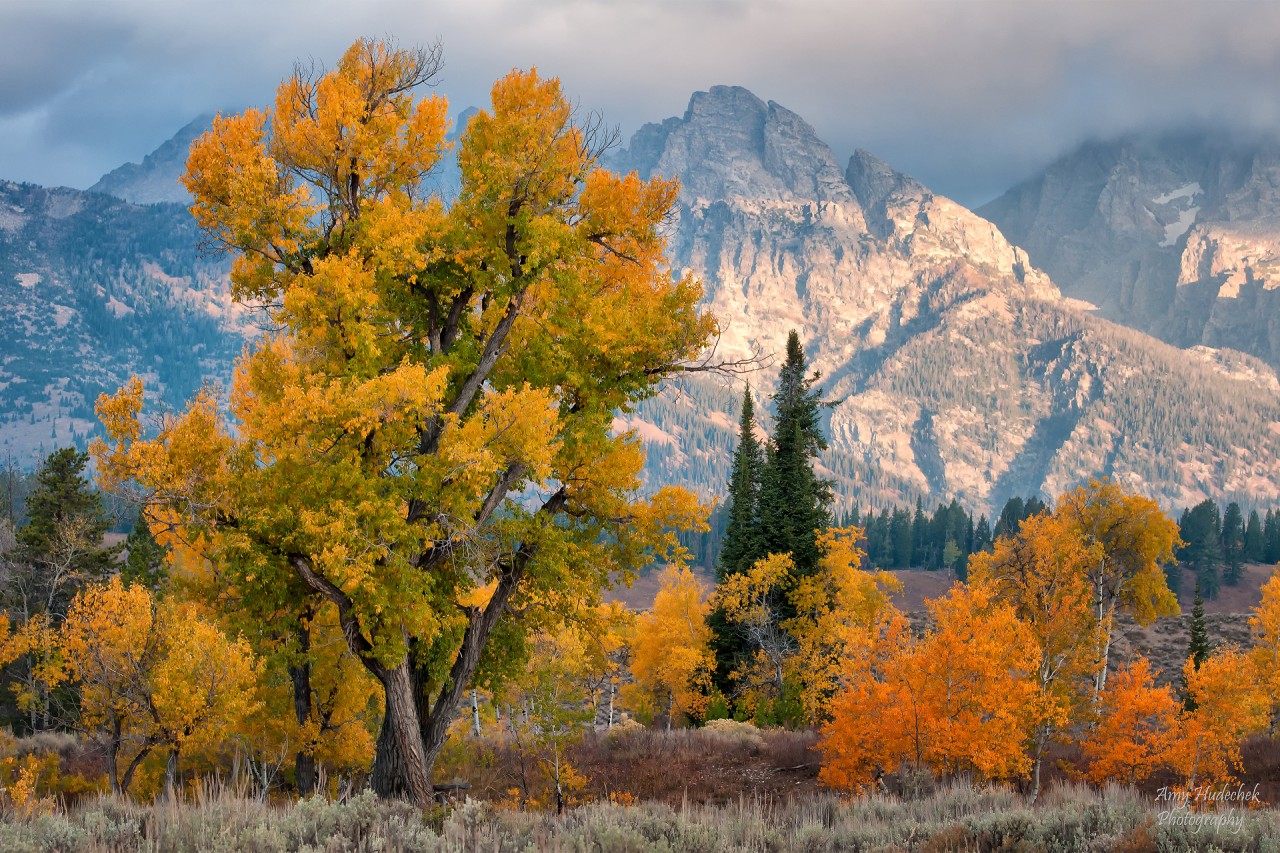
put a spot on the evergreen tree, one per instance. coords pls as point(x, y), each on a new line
point(1033, 507)
point(982, 537)
point(743, 538)
point(743, 542)
point(144, 561)
point(900, 537)
point(1271, 533)
point(1255, 548)
point(794, 501)
point(1201, 530)
point(1010, 518)
point(1232, 544)
point(1198, 646)
point(919, 536)
point(59, 548)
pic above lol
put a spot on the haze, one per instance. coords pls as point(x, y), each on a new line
point(967, 96)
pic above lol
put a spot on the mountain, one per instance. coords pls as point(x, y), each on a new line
point(1176, 234)
point(955, 366)
point(157, 177)
point(95, 289)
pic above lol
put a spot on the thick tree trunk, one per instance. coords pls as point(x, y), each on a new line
point(400, 765)
point(304, 762)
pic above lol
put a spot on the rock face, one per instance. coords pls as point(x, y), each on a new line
point(156, 178)
point(94, 289)
point(955, 366)
point(1177, 235)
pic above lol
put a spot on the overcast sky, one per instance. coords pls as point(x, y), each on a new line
point(967, 95)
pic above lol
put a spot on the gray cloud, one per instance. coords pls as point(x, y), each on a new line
point(968, 95)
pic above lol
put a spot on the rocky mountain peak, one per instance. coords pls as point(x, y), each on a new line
point(157, 177)
point(732, 144)
point(1174, 233)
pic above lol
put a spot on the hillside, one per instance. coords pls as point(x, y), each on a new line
point(96, 289)
point(955, 366)
point(1175, 234)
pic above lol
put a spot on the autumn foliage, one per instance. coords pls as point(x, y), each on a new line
point(432, 416)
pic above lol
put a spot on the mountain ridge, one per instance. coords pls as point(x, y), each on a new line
point(956, 366)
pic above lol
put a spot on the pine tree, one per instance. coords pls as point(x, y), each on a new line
point(982, 537)
point(1232, 544)
point(1198, 646)
point(59, 548)
point(1201, 530)
point(144, 562)
point(919, 535)
point(743, 539)
point(1271, 533)
point(1010, 518)
point(743, 542)
point(1255, 550)
point(794, 501)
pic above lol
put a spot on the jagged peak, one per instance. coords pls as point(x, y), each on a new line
point(156, 178)
point(873, 180)
point(731, 143)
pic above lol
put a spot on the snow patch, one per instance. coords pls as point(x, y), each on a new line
point(721, 420)
point(1174, 230)
point(1188, 191)
point(646, 431)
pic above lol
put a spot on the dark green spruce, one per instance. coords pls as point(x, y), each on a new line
point(794, 502)
point(1198, 646)
point(743, 541)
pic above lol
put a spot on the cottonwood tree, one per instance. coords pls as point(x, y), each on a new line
point(151, 677)
point(961, 698)
point(1265, 625)
point(1131, 537)
point(1137, 727)
point(433, 412)
point(671, 657)
point(1226, 704)
point(1042, 571)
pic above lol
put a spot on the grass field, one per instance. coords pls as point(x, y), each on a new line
point(955, 818)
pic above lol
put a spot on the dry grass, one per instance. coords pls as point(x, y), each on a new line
point(956, 818)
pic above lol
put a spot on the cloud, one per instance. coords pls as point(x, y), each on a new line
point(969, 95)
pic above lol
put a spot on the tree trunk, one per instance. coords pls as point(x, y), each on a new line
point(171, 774)
point(1109, 625)
point(400, 765)
point(113, 748)
point(127, 779)
point(304, 762)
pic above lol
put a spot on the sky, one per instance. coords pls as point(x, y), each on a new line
point(968, 96)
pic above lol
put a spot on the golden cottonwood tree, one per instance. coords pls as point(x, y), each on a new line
point(1229, 704)
point(1136, 729)
point(671, 657)
point(153, 676)
point(1265, 623)
point(961, 698)
point(1130, 537)
point(837, 612)
point(433, 413)
point(551, 704)
point(1043, 573)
